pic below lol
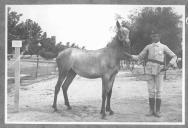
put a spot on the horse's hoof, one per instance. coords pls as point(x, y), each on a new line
point(103, 116)
point(55, 110)
point(69, 108)
point(54, 107)
point(111, 112)
point(108, 109)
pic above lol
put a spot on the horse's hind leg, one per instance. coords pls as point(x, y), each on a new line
point(61, 78)
point(70, 76)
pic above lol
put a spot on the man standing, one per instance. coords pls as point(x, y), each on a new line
point(155, 53)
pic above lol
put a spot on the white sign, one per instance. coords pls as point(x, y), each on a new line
point(17, 43)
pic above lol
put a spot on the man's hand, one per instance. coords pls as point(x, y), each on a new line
point(173, 65)
point(173, 62)
point(134, 57)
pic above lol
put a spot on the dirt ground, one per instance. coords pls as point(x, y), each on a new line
point(129, 101)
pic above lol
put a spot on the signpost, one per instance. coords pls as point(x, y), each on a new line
point(17, 44)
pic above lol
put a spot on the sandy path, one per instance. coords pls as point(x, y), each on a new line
point(129, 102)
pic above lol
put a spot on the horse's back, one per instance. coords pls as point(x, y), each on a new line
point(74, 56)
point(86, 63)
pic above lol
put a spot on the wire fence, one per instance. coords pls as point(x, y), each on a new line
point(32, 67)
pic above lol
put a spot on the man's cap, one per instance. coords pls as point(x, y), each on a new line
point(154, 32)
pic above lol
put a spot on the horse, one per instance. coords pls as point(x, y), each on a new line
point(102, 63)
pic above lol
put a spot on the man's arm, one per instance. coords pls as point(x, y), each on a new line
point(142, 54)
point(171, 54)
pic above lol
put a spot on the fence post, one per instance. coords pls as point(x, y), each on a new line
point(37, 66)
point(144, 63)
point(17, 44)
point(165, 66)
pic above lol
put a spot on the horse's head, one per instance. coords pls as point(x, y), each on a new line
point(123, 35)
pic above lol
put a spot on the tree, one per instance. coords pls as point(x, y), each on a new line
point(164, 20)
point(68, 44)
point(33, 48)
point(13, 20)
point(44, 36)
point(73, 45)
point(83, 47)
point(28, 31)
point(48, 45)
point(60, 46)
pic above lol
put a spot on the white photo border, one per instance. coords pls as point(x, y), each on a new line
point(185, 21)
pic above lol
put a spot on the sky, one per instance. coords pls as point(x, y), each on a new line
point(92, 26)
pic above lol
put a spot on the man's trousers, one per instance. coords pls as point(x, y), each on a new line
point(155, 86)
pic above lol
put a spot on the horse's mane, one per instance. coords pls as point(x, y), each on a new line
point(114, 42)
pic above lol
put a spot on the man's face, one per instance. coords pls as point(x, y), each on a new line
point(155, 38)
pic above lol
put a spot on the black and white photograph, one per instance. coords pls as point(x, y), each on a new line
point(95, 64)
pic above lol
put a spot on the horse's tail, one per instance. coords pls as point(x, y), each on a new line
point(48, 54)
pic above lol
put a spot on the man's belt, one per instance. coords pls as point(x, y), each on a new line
point(156, 61)
point(161, 63)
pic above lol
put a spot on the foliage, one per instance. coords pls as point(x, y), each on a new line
point(60, 46)
point(33, 48)
point(13, 19)
point(73, 45)
point(164, 20)
point(28, 31)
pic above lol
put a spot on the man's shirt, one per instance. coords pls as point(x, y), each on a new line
point(156, 51)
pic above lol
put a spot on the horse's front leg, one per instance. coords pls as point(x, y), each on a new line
point(109, 93)
point(104, 95)
point(108, 108)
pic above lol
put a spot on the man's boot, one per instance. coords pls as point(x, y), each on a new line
point(158, 105)
point(151, 106)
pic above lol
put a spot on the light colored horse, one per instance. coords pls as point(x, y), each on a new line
point(102, 63)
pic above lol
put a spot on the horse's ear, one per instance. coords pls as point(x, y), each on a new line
point(118, 24)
